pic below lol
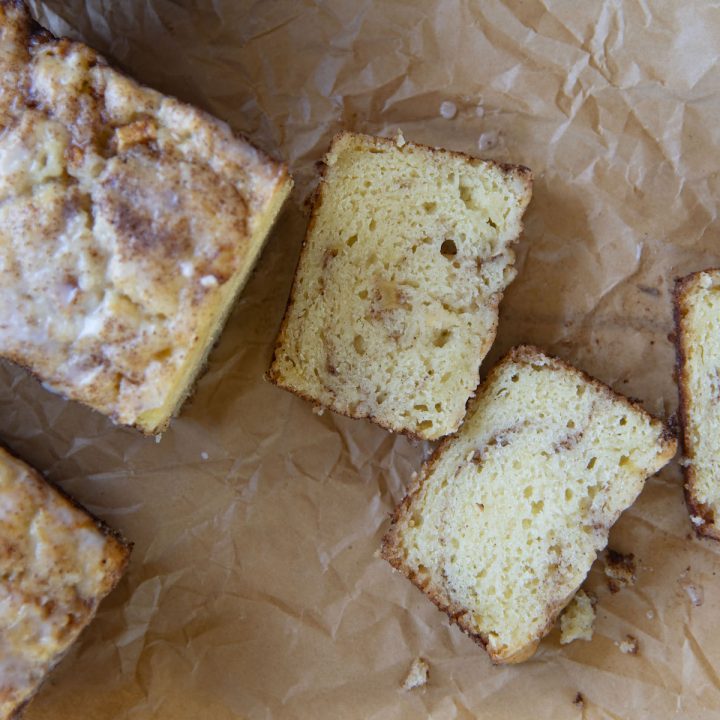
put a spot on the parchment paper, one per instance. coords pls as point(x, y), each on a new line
point(253, 590)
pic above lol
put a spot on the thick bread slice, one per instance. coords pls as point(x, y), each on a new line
point(129, 222)
point(506, 517)
point(697, 337)
point(395, 300)
point(57, 562)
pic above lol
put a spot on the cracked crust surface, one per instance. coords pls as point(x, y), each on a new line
point(396, 294)
point(57, 563)
point(697, 314)
point(507, 516)
point(128, 223)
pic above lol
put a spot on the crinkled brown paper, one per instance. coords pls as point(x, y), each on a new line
point(254, 590)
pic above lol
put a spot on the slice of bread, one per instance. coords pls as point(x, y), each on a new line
point(697, 337)
point(395, 300)
point(57, 562)
point(129, 222)
point(506, 517)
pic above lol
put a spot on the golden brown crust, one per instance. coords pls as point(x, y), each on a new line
point(707, 527)
point(159, 212)
point(58, 562)
point(521, 172)
point(391, 547)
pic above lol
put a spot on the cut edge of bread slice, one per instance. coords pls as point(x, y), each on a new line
point(520, 174)
point(158, 420)
point(702, 517)
point(392, 542)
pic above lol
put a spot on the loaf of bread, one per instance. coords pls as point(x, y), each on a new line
point(56, 564)
point(128, 224)
point(395, 300)
point(697, 318)
point(506, 517)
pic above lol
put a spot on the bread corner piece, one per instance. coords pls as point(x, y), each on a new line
point(395, 300)
point(129, 222)
point(507, 516)
point(697, 319)
point(57, 563)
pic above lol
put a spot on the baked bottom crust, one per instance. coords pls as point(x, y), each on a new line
point(128, 224)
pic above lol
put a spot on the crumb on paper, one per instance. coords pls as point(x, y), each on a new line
point(448, 109)
point(480, 110)
point(697, 521)
point(684, 462)
point(489, 140)
point(318, 409)
point(578, 618)
point(629, 645)
point(417, 675)
point(579, 700)
point(158, 438)
point(620, 570)
point(204, 455)
point(400, 139)
point(650, 615)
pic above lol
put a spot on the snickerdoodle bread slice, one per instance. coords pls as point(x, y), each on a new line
point(129, 223)
point(505, 519)
point(395, 300)
point(697, 317)
point(57, 563)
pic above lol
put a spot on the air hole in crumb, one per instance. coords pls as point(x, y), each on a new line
point(623, 420)
point(359, 345)
point(422, 408)
point(438, 407)
point(568, 494)
point(528, 491)
point(372, 225)
point(425, 425)
point(591, 464)
point(351, 240)
point(580, 390)
point(466, 197)
point(163, 354)
point(429, 207)
point(570, 424)
point(526, 523)
point(363, 294)
point(380, 398)
point(624, 460)
point(515, 378)
point(426, 241)
point(456, 265)
point(537, 507)
point(491, 223)
point(448, 249)
point(441, 338)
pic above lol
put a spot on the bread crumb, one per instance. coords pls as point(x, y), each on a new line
point(629, 645)
point(576, 622)
point(417, 675)
point(204, 455)
point(400, 139)
point(650, 615)
point(620, 570)
point(158, 438)
point(318, 409)
point(695, 520)
point(480, 111)
point(488, 140)
point(448, 109)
